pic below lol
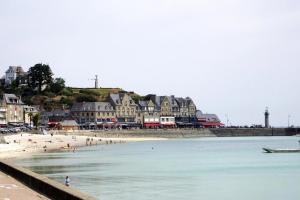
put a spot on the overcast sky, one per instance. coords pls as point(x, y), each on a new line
point(231, 57)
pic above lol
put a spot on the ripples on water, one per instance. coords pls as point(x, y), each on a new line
point(205, 168)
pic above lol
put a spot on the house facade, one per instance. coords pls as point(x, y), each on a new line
point(124, 106)
point(93, 112)
point(2, 116)
point(148, 114)
point(52, 118)
point(29, 112)
point(165, 106)
point(192, 109)
point(14, 109)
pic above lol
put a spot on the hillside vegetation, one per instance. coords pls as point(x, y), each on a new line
point(40, 87)
point(69, 96)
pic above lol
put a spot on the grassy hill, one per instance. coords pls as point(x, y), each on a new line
point(66, 98)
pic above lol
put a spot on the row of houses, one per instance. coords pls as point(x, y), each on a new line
point(14, 112)
point(151, 112)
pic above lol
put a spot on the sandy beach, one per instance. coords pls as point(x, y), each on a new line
point(25, 144)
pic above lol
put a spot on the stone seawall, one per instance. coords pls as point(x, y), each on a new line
point(155, 133)
point(42, 184)
point(188, 133)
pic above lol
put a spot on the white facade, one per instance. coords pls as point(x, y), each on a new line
point(151, 119)
point(12, 73)
point(167, 121)
point(2, 115)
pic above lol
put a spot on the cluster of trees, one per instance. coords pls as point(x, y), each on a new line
point(39, 80)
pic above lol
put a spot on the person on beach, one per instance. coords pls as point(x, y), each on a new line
point(67, 181)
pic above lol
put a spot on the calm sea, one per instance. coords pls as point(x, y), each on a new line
point(205, 168)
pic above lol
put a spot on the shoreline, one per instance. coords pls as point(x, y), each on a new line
point(26, 144)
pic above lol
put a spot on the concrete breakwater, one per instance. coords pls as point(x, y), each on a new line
point(41, 184)
point(190, 133)
point(240, 132)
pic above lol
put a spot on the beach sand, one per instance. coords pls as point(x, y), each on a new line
point(26, 144)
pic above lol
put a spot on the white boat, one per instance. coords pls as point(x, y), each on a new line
point(268, 150)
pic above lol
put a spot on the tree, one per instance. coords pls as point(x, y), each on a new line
point(57, 85)
point(39, 75)
point(36, 120)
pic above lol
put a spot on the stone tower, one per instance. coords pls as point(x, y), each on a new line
point(267, 125)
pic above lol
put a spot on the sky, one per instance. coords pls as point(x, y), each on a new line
point(232, 57)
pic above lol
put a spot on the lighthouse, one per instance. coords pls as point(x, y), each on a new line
point(267, 125)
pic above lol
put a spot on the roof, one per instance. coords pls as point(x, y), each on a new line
point(208, 117)
point(118, 98)
point(103, 106)
point(56, 112)
point(92, 107)
point(115, 98)
point(16, 69)
point(143, 103)
point(68, 123)
point(30, 108)
point(12, 99)
point(199, 113)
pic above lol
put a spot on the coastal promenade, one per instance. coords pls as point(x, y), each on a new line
point(11, 189)
point(13, 177)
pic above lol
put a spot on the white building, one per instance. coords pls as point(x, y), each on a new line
point(12, 73)
point(29, 112)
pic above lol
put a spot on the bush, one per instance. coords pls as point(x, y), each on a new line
point(66, 101)
point(66, 92)
point(89, 92)
point(49, 94)
point(85, 98)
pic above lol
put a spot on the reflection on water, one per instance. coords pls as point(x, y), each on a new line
point(205, 168)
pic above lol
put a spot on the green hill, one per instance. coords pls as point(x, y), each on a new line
point(69, 96)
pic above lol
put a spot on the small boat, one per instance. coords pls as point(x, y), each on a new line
point(268, 150)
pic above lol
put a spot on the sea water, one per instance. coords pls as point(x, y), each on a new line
point(204, 168)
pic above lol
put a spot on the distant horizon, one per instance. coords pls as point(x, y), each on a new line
point(232, 58)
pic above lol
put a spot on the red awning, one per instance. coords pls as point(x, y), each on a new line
point(211, 124)
point(151, 124)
